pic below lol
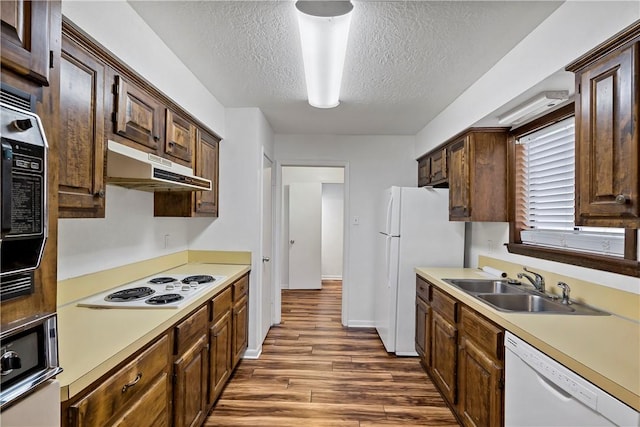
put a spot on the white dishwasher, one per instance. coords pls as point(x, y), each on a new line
point(541, 392)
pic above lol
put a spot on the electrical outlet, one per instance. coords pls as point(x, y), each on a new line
point(491, 246)
point(167, 238)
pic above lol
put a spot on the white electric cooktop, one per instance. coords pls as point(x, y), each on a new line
point(162, 291)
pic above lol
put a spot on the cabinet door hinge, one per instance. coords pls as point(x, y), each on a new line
point(501, 383)
point(579, 88)
point(50, 59)
point(116, 89)
point(114, 117)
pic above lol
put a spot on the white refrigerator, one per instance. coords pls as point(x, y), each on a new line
point(414, 231)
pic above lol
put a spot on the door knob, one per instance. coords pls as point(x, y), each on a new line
point(292, 241)
point(266, 259)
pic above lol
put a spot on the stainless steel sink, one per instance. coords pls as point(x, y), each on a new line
point(484, 286)
point(517, 299)
point(525, 303)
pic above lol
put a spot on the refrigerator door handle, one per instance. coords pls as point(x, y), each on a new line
point(389, 209)
point(387, 259)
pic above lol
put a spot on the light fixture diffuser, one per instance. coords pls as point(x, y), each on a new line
point(534, 106)
point(324, 31)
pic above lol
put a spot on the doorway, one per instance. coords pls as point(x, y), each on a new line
point(311, 227)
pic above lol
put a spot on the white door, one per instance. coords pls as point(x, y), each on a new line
point(267, 303)
point(305, 235)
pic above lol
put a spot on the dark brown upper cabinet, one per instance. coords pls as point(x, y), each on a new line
point(432, 169)
point(478, 176)
point(138, 116)
point(25, 38)
point(607, 113)
point(81, 185)
point(179, 138)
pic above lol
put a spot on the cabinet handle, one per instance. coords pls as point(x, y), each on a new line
point(100, 194)
point(622, 199)
point(156, 138)
point(132, 383)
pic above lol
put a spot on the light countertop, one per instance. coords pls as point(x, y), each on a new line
point(603, 349)
point(91, 341)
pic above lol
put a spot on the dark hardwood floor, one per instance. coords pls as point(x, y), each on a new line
point(315, 372)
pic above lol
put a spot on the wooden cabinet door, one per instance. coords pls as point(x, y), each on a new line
point(424, 171)
point(220, 356)
point(151, 409)
point(240, 329)
point(190, 385)
point(138, 116)
point(480, 387)
point(25, 38)
point(81, 148)
point(444, 356)
point(459, 183)
point(207, 162)
point(439, 167)
point(423, 337)
point(179, 138)
point(607, 152)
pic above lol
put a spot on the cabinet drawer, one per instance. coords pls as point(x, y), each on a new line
point(190, 329)
point(422, 289)
point(444, 304)
point(125, 386)
point(153, 403)
point(221, 304)
point(240, 288)
point(483, 332)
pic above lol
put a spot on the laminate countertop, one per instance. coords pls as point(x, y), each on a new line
point(92, 341)
point(603, 349)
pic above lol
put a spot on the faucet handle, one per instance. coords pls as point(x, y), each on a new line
point(538, 276)
point(565, 292)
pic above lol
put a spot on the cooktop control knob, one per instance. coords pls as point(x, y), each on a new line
point(22, 124)
point(9, 361)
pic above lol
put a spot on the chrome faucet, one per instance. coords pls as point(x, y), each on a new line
point(565, 292)
point(537, 282)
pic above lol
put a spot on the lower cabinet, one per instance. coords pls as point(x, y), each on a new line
point(220, 362)
point(140, 387)
point(190, 370)
point(176, 380)
point(466, 356)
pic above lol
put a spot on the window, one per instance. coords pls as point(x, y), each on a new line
point(542, 177)
point(546, 173)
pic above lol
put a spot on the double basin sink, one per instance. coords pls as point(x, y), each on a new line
point(507, 297)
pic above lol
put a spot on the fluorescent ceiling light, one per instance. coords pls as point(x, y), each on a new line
point(324, 30)
point(534, 106)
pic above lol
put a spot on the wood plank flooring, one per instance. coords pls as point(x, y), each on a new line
point(315, 372)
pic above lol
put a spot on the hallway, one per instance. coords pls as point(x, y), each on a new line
point(315, 372)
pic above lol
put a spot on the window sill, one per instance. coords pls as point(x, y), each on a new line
point(626, 267)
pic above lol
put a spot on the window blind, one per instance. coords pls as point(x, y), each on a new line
point(545, 162)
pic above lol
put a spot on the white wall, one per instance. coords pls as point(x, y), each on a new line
point(374, 163)
point(238, 224)
point(292, 175)
point(575, 28)
point(332, 230)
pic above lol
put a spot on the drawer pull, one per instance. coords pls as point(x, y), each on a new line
point(132, 383)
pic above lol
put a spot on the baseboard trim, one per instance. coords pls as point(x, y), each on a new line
point(406, 354)
point(251, 353)
point(331, 277)
point(361, 324)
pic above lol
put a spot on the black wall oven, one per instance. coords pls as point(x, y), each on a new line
point(23, 194)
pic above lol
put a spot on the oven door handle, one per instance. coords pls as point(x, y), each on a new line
point(7, 166)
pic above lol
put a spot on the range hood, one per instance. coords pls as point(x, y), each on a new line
point(138, 170)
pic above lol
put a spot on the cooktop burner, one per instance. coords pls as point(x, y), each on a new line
point(164, 299)
point(130, 294)
point(162, 280)
point(166, 291)
point(199, 279)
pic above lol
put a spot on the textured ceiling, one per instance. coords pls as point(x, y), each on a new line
point(406, 60)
